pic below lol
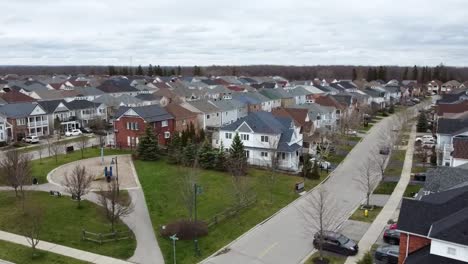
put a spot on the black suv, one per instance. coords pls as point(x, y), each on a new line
point(337, 243)
point(387, 254)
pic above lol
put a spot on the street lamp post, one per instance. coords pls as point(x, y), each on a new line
point(174, 238)
point(197, 190)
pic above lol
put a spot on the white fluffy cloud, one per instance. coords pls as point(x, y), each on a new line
point(205, 32)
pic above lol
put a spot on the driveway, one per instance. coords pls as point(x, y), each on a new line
point(286, 237)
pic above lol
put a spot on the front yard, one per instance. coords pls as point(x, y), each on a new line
point(358, 215)
point(62, 223)
point(162, 188)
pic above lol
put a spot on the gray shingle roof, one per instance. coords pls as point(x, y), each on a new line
point(81, 104)
point(150, 113)
point(259, 122)
point(451, 126)
point(18, 110)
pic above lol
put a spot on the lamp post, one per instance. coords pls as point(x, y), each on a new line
point(174, 238)
point(197, 190)
point(115, 161)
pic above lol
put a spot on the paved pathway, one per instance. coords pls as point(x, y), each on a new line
point(61, 250)
point(147, 250)
point(375, 230)
point(286, 237)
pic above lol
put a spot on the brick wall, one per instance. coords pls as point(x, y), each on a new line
point(415, 243)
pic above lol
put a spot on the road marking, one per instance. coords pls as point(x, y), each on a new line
point(267, 250)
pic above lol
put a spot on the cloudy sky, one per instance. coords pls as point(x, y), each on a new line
point(206, 32)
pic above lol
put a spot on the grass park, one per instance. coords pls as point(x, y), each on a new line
point(62, 223)
point(22, 255)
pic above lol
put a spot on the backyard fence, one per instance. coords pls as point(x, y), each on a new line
point(105, 237)
point(231, 211)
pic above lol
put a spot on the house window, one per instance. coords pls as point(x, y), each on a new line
point(207, 116)
point(452, 251)
point(132, 126)
point(217, 114)
point(184, 122)
point(264, 154)
point(21, 122)
point(245, 137)
point(247, 154)
point(167, 134)
point(164, 123)
point(228, 135)
point(281, 155)
point(264, 138)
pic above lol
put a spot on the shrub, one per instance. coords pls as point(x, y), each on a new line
point(367, 259)
point(185, 229)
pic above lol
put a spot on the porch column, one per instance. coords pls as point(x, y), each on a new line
point(290, 161)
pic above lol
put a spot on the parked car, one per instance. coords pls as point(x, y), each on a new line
point(391, 236)
point(85, 130)
point(336, 242)
point(323, 164)
point(415, 100)
point(31, 139)
point(74, 132)
point(351, 132)
point(425, 138)
point(387, 254)
point(384, 150)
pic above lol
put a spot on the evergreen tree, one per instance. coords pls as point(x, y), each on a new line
point(150, 70)
point(415, 73)
point(148, 148)
point(237, 159)
point(422, 124)
point(139, 71)
point(207, 156)
point(172, 73)
point(369, 74)
point(164, 72)
point(375, 73)
point(220, 159)
point(175, 150)
point(130, 71)
point(201, 135)
point(354, 74)
point(124, 71)
point(190, 154)
point(234, 71)
point(158, 71)
point(111, 70)
point(315, 171)
point(405, 74)
point(179, 70)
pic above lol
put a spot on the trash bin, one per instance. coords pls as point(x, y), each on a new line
point(35, 181)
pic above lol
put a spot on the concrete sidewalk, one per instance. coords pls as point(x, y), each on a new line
point(375, 230)
point(61, 250)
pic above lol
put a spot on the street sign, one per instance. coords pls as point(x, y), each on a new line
point(300, 187)
point(199, 190)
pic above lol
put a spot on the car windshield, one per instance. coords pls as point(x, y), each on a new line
point(343, 240)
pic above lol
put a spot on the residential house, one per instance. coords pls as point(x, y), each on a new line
point(182, 117)
point(130, 124)
point(85, 111)
point(442, 178)
point(265, 136)
point(322, 117)
point(393, 93)
point(209, 117)
point(5, 129)
point(254, 101)
point(151, 98)
point(450, 86)
point(58, 110)
point(231, 110)
point(378, 100)
point(449, 132)
point(455, 110)
point(14, 96)
point(434, 87)
point(118, 86)
point(433, 229)
point(25, 119)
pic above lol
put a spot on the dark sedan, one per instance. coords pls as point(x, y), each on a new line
point(391, 236)
point(387, 254)
point(337, 243)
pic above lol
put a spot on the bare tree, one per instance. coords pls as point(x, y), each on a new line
point(319, 216)
point(367, 180)
point(15, 168)
point(49, 145)
point(40, 152)
point(272, 176)
point(187, 179)
point(79, 182)
point(381, 163)
point(83, 143)
point(57, 148)
point(114, 205)
point(31, 224)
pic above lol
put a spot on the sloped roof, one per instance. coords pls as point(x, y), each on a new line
point(444, 178)
point(179, 112)
point(424, 256)
point(16, 97)
point(150, 113)
point(18, 110)
point(81, 104)
point(460, 148)
point(451, 126)
point(259, 122)
point(117, 85)
point(51, 105)
point(204, 106)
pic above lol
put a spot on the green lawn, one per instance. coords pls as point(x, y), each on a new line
point(333, 258)
point(418, 169)
point(385, 188)
point(30, 147)
point(23, 255)
point(40, 169)
point(62, 223)
point(358, 215)
point(411, 188)
point(162, 191)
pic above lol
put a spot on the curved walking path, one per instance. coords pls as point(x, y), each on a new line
point(287, 237)
point(375, 230)
point(147, 250)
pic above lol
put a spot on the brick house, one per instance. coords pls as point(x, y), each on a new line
point(130, 124)
point(433, 229)
point(183, 117)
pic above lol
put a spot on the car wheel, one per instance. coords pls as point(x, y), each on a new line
point(384, 260)
point(392, 242)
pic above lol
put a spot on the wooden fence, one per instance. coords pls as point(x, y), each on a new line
point(105, 237)
point(231, 211)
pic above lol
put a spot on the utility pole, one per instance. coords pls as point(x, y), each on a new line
point(197, 190)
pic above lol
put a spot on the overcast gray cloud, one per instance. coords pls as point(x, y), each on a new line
point(206, 32)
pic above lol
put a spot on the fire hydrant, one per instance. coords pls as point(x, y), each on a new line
point(366, 213)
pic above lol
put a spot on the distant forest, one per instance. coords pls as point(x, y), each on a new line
point(421, 73)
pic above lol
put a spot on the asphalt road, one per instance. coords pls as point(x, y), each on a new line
point(287, 237)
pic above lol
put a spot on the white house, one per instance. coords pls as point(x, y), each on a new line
point(231, 110)
point(265, 136)
point(210, 116)
point(452, 137)
point(5, 129)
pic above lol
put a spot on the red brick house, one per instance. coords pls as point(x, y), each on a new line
point(434, 229)
point(183, 117)
point(130, 124)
